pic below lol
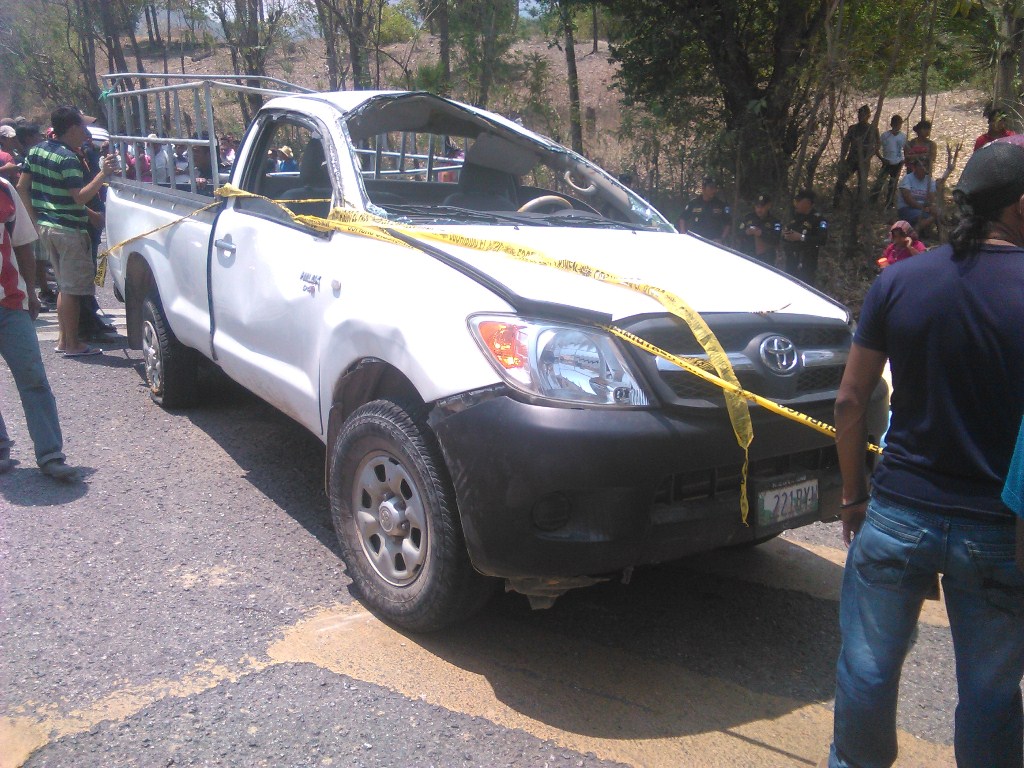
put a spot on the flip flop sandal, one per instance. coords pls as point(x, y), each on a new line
point(88, 351)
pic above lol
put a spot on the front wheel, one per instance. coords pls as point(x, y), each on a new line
point(395, 517)
point(170, 366)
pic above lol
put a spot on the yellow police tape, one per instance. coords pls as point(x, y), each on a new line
point(369, 225)
point(101, 259)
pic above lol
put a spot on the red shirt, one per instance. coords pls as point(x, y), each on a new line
point(987, 138)
point(894, 253)
point(15, 229)
point(12, 175)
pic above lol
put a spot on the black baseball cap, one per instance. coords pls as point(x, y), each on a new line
point(763, 199)
point(993, 178)
point(710, 181)
point(804, 194)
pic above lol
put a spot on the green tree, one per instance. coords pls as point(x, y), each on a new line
point(746, 59)
point(252, 30)
point(560, 16)
point(436, 14)
point(50, 48)
point(484, 30)
point(1001, 45)
point(349, 25)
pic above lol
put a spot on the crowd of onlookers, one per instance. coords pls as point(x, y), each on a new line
point(17, 138)
point(52, 204)
point(51, 207)
point(905, 185)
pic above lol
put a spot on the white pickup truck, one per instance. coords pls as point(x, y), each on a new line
point(480, 422)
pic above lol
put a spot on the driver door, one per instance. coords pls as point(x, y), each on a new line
point(266, 271)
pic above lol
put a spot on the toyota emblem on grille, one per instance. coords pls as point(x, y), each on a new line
point(779, 354)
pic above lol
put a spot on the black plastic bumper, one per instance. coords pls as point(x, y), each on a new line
point(556, 492)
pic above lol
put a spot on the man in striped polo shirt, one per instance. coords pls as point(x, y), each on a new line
point(53, 183)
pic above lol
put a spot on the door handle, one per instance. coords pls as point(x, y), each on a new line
point(225, 245)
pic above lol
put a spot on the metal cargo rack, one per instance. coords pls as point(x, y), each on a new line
point(134, 113)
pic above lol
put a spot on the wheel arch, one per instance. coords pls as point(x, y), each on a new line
point(366, 380)
point(138, 282)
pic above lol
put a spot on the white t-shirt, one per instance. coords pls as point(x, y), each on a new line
point(892, 147)
point(24, 233)
point(162, 165)
point(919, 189)
point(11, 280)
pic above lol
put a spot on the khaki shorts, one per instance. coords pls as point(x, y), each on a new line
point(70, 252)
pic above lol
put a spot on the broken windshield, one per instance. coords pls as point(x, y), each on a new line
point(422, 158)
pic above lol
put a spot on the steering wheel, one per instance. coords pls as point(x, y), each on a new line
point(588, 190)
point(539, 202)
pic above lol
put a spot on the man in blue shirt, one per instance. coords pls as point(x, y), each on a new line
point(949, 323)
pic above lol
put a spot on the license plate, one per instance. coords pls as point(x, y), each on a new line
point(787, 500)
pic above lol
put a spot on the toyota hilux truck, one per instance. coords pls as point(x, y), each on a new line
point(428, 293)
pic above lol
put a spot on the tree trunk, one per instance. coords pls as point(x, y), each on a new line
point(147, 9)
point(140, 67)
point(445, 46)
point(86, 54)
point(112, 38)
point(329, 32)
point(575, 117)
point(593, 19)
point(488, 48)
point(926, 58)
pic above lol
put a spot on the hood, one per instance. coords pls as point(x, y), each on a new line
point(708, 278)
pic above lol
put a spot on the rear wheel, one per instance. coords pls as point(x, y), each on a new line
point(395, 516)
point(170, 365)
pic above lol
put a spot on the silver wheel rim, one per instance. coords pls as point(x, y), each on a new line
point(389, 518)
point(151, 352)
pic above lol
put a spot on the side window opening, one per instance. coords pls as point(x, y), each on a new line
point(292, 170)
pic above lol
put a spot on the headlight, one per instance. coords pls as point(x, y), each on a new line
point(561, 362)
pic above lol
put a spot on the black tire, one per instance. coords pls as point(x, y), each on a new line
point(395, 516)
point(170, 366)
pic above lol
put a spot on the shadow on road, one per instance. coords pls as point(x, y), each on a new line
point(675, 652)
point(683, 649)
point(281, 459)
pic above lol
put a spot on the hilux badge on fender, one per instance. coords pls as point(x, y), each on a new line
point(779, 354)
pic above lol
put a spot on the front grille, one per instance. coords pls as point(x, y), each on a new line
point(689, 387)
point(819, 379)
point(806, 338)
point(680, 341)
point(706, 484)
point(823, 347)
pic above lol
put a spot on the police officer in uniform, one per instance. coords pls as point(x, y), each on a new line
point(706, 215)
point(759, 232)
point(803, 237)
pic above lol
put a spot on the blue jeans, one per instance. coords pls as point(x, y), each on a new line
point(891, 567)
point(19, 347)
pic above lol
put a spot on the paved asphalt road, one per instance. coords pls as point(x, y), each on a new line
point(185, 605)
